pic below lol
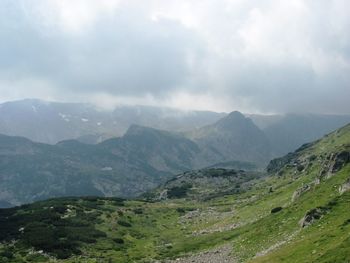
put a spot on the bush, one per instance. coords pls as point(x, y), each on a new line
point(123, 223)
point(179, 191)
point(6, 254)
point(276, 209)
point(118, 240)
point(138, 211)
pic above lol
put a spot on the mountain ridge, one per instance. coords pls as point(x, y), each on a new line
point(298, 213)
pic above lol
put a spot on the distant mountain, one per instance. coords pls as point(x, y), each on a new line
point(162, 150)
point(287, 132)
point(234, 137)
point(125, 166)
point(51, 122)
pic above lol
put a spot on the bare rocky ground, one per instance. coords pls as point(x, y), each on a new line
point(217, 255)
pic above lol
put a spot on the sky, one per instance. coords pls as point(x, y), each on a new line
point(257, 56)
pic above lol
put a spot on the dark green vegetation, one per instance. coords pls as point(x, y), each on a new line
point(56, 226)
point(300, 213)
point(206, 184)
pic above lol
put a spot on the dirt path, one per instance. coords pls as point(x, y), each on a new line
point(217, 255)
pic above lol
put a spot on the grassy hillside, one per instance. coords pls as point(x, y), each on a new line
point(300, 213)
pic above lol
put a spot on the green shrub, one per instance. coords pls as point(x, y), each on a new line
point(123, 223)
point(276, 209)
point(118, 240)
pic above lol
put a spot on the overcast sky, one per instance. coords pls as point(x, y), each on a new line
point(267, 56)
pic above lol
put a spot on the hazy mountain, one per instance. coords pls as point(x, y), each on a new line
point(287, 132)
point(125, 166)
point(162, 150)
point(234, 137)
point(51, 122)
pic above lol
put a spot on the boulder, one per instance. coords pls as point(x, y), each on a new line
point(312, 215)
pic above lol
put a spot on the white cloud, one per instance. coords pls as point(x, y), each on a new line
point(270, 56)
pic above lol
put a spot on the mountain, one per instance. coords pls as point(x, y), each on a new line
point(299, 212)
point(234, 137)
point(162, 150)
point(287, 132)
point(51, 122)
point(126, 166)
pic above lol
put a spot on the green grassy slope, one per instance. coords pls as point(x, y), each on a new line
point(262, 223)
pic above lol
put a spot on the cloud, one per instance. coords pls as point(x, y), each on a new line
point(254, 56)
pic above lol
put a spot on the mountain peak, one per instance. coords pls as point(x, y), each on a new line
point(135, 129)
point(233, 119)
point(235, 115)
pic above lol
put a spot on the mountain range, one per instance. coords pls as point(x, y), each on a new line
point(140, 159)
point(126, 166)
point(295, 211)
point(52, 122)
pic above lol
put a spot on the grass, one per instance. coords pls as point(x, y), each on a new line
point(115, 230)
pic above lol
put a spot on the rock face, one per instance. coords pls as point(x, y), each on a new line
point(344, 187)
point(333, 163)
point(312, 215)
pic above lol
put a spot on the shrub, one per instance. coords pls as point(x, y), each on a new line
point(179, 191)
point(276, 209)
point(123, 223)
point(118, 240)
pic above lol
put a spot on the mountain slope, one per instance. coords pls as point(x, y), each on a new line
point(300, 213)
point(233, 137)
point(125, 166)
point(162, 150)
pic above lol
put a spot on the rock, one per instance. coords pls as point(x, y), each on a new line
point(344, 187)
point(300, 191)
point(312, 215)
point(333, 163)
point(340, 160)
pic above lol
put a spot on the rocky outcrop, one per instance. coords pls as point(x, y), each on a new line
point(333, 163)
point(344, 187)
point(300, 191)
point(312, 215)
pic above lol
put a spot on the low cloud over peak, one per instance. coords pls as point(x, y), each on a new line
point(253, 56)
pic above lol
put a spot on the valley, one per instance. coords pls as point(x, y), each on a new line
point(297, 212)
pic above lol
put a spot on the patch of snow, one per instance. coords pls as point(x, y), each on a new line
point(84, 120)
point(64, 117)
point(34, 109)
point(99, 123)
point(107, 168)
